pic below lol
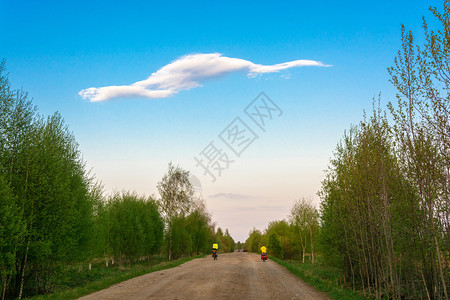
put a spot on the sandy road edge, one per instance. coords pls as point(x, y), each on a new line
point(305, 280)
point(98, 285)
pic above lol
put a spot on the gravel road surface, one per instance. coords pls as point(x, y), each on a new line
point(238, 275)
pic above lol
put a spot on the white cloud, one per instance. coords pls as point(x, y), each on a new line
point(109, 92)
point(186, 73)
point(231, 196)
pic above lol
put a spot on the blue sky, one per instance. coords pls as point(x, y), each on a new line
point(55, 49)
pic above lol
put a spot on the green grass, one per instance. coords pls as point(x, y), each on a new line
point(323, 278)
point(78, 284)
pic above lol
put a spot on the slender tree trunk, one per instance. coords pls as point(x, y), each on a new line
point(22, 275)
point(170, 246)
point(4, 283)
point(353, 274)
point(303, 241)
point(11, 170)
point(312, 244)
point(389, 243)
point(303, 246)
point(349, 258)
point(425, 285)
point(303, 259)
point(438, 252)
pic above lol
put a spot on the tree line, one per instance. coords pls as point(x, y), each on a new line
point(385, 201)
point(54, 216)
point(294, 238)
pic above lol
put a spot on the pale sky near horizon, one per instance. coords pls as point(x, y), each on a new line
point(143, 83)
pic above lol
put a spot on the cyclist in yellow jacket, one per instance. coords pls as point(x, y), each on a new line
point(263, 253)
point(263, 250)
point(215, 248)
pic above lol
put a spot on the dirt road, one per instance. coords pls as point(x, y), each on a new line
point(234, 275)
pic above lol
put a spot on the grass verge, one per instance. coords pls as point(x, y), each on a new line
point(323, 278)
point(103, 277)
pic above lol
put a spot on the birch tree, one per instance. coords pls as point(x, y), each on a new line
point(421, 75)
point(304, 217)
point(177, 199)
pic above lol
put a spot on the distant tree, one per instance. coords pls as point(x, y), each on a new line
point(304, 217)
point(177, 199)
point(198, 223)
point(226, 242)
point(421, 74)
point(370, 212)
point(181, 242)
point(285, 235)
point(136, 227)
point(253, 242)
point(219, 232)
point(12, 230)
point(52, 188)
point(275, 248)
point(99, 245)
point(239, 246)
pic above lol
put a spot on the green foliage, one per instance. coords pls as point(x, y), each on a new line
point(284, 235)
point(198, 223)
point(99, 243)
point(181, 238)
point(385, 200)
point(177, 200)
point(136, 228)
point(323, 277)
point(288, 240)
point(304, 220)
point(239, 246)
point(177, 193)
point(191, 234)
point(275, 248)
point(53, 217)
point(422, 132)
point(253, 242)
point(12, 230)
point(80, 283)
point(188, 228)
point(41, 164)
point(226, 242)
point(52, 189)
point(363, 187)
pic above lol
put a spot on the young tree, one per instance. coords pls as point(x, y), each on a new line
point(304, 217)
point(40, 162)
point(370, 211)
point(285, 235)
point(52, 189)
point(275, 247)
point(239, 246)
point(422, 77)
point(136, 227)
point(11, 231)
point(177, 199)
point(253, 242)
point(199, 224)
point(226, 242)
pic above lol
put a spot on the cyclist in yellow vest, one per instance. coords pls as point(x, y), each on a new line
point(263, 250)
point(215, 248)
point(263, 253)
